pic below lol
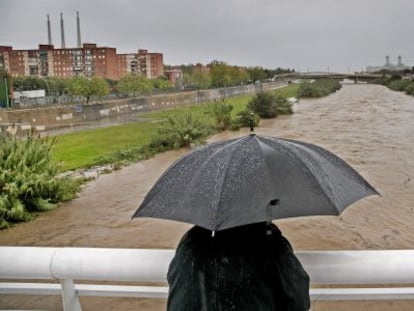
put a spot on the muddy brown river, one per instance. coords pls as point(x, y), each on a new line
point(369, 126)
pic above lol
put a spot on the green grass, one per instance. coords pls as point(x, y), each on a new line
point(289, 91)
point(86, 148)
point(239, 103)
point(83, 149)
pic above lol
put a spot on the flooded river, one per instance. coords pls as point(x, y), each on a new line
point(369, 126)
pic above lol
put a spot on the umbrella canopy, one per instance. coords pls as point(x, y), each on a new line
point(253, 179)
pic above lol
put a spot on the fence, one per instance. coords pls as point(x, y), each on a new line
point(353, 269)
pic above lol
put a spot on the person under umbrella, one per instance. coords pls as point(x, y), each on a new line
point(235, 258)
point(250, 267)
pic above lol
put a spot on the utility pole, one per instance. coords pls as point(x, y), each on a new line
point(7, 92)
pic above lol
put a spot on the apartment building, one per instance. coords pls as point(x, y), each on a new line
point(88, 60)
point(127, 63)
point(174, 75)
point(151, 64)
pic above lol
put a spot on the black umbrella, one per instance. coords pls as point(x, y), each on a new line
point(253, 179)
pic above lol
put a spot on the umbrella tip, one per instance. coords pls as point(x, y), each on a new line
point(251, 121)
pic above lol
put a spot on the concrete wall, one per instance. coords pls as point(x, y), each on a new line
point(60, 116)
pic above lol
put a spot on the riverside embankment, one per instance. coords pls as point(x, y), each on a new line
point(369, 126)
point(82, 115)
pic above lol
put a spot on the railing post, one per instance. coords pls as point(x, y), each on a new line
point(70, 297)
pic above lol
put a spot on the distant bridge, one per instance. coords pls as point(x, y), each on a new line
point(356, 76)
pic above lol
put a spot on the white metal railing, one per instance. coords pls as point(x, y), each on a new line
point(389, 268)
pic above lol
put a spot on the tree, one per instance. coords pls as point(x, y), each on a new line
point(257, 73)
point(56, 86)
point(78, 86)
point(28, 84)
point(5, 89)
point(135, 85)
point(220, 74)
point(98, 86)
point(238, 75)
point(202, 79)
point(223, 75)
point(88, 87)
point(161, 83)
point(198, 78)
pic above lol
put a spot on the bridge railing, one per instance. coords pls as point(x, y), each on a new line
point(370, 274)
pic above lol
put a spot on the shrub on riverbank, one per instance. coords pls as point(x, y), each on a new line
point(409, 89)
point(269, 105)
point(396, 83)
point(402, 85)
point(182, 130)
point(221, 113)
point(318, 88)
point(28, 179)
point(244, 118)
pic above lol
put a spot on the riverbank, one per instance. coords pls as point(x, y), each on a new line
point(129, 141)
point(369, 126)
point(79, 114)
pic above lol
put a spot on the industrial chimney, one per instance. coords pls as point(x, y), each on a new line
point(400, 61)
point(62, 31)
point(49, 32)
point(78, 29)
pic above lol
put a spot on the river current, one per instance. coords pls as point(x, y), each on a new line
point(369, 126)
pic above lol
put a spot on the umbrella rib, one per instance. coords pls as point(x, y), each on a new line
point(195, 176)
point(223, 181)
point(319, 183)
point(289, 151)
point(236, 142)
point(268, 213)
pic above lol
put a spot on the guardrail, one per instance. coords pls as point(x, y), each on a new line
point(389, 268)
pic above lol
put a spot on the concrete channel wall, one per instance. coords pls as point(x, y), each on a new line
point(40, 119)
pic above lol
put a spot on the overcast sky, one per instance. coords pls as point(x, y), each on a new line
point(305, 35)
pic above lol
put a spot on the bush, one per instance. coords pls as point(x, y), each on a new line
point(179, 131)
point(381, 81)
point(268, 105)
point(284, 107)
point(319, 88)
point(398, 85)
point(243, 119)
point(409, 89)
point(28, 179)
point(221, 112)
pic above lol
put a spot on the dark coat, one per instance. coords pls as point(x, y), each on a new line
point(242, 268)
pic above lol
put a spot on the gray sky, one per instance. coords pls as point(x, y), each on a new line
point(306, 35)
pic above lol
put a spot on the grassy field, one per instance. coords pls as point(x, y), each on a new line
point(86, 148)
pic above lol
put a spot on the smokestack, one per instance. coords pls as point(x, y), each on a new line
point(400, 61)
point(387, 60)
point(49, 32)
point(78, 29)
point(62, 31)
